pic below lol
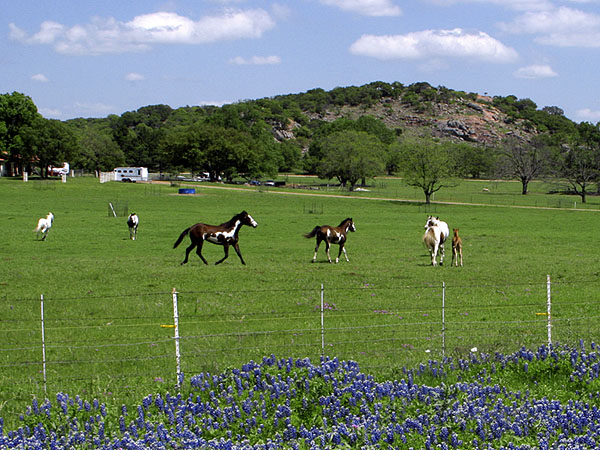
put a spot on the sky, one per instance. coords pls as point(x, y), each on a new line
point(91, 59)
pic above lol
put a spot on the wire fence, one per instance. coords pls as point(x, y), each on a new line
point(160, 335)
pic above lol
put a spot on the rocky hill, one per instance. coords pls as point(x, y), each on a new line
point(421, 109)
point(463, 120)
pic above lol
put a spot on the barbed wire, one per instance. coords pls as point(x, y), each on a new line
point(397, 327)
point(429, 286)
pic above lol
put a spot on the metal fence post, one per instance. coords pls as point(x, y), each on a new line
point(43, 342)
point(176, 323)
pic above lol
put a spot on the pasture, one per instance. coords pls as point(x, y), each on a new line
point(107, 299)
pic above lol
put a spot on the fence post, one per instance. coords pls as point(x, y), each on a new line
point(43, 343)
point(443, 319)
point(176, 323)
point(322, 322)
point(549, 309)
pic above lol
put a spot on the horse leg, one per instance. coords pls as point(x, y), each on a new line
point(434, 252)
point(199, 253)
point(327, 246)
point(454, 257)
point(441, 253)
point(316, 250)
point(343, 248)
point(236, 246)
point(460, 254)
point(226, 250)
point(187, 252)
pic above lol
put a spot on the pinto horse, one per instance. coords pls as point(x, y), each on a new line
point(225, 234)
point(332, 235)
point(436, 233)
point(44, 225)
point(132, 222)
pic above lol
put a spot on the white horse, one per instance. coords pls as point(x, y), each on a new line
point(132, 223)
point(44, 225)
point(436, 233)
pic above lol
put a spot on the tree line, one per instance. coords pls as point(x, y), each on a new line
point(257, 139)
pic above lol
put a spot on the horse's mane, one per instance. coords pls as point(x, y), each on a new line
point(231, 221)
point(344, 221)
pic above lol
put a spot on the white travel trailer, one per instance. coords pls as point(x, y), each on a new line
point(131, 174)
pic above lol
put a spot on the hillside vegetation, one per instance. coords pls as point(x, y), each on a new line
point(464, 134)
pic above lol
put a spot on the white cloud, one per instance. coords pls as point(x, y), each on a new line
point(94, 108)
point(367, 7)
point(589, 115)
point(50, 113)
point(535, 71)
point(111, 36)
point(132, 76)
point(434, 44)
point(40, 77)
point(561, 27)
point(218, 103)
point(256, 60)
point(516, 5)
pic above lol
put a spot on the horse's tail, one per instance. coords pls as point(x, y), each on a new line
point(181, 236)
point(313, 233)
point(429, 238)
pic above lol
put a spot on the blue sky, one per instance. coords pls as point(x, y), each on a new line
point(92, 59)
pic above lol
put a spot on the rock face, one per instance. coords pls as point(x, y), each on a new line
point(461, 120)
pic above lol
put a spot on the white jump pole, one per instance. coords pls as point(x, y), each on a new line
point(176, 323)
point(443, 319)
point(549, 309)
point(322, 323)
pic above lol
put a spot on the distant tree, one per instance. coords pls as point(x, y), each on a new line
point(473, 161)
point(220, 151)
point(393, 159)
point(553, 110)
point(376, 127)
point(522, 159)
point(154, 115)
point(185, 146)
point(351, 156)
point(17, 112)
point(48, 142)
point(579, 167)
point(367, 124)
point(578, 162)
point(97, 151)
point(426, 164)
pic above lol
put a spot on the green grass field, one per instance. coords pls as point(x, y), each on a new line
point(108, 301)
